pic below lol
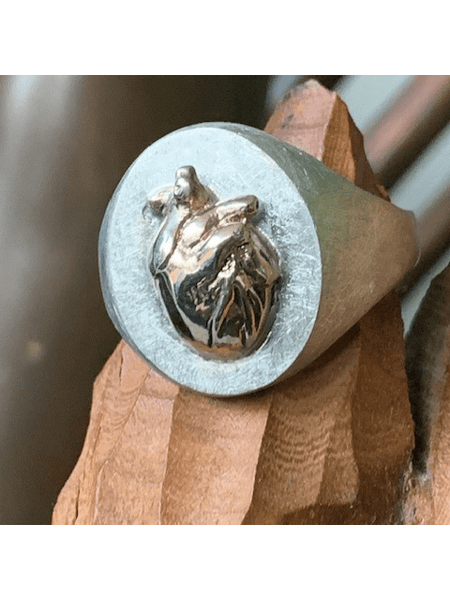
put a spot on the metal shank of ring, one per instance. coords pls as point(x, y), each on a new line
point(250, 271)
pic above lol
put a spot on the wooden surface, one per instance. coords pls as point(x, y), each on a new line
point(329, 445)
point(427, 487)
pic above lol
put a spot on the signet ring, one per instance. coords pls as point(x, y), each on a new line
point(230, 260)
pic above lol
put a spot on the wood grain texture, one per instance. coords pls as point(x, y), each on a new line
point(328, 445)
point(427, 488)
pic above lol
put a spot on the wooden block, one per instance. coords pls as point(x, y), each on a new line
point(427, 488)
point(329, 445)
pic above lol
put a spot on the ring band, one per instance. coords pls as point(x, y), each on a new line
point(230, 260)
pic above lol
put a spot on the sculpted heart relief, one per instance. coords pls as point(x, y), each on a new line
point(216, 272)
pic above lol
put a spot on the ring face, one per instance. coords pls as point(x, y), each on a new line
point(248, 265)
point(215, 271)
point(281, 266)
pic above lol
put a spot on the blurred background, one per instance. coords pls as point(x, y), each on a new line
point(65, 142)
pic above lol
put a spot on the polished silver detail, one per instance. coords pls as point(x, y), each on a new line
point(214, 269)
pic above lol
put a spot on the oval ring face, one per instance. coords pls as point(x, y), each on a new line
point(212, 272)
point(214, 269)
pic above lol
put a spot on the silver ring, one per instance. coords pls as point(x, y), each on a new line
point(230, 260)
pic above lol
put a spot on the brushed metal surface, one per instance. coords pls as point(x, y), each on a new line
point(341, 249)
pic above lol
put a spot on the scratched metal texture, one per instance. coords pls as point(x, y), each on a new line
point(331, 236)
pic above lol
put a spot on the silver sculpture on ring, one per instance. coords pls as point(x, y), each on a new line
point(215, 271)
